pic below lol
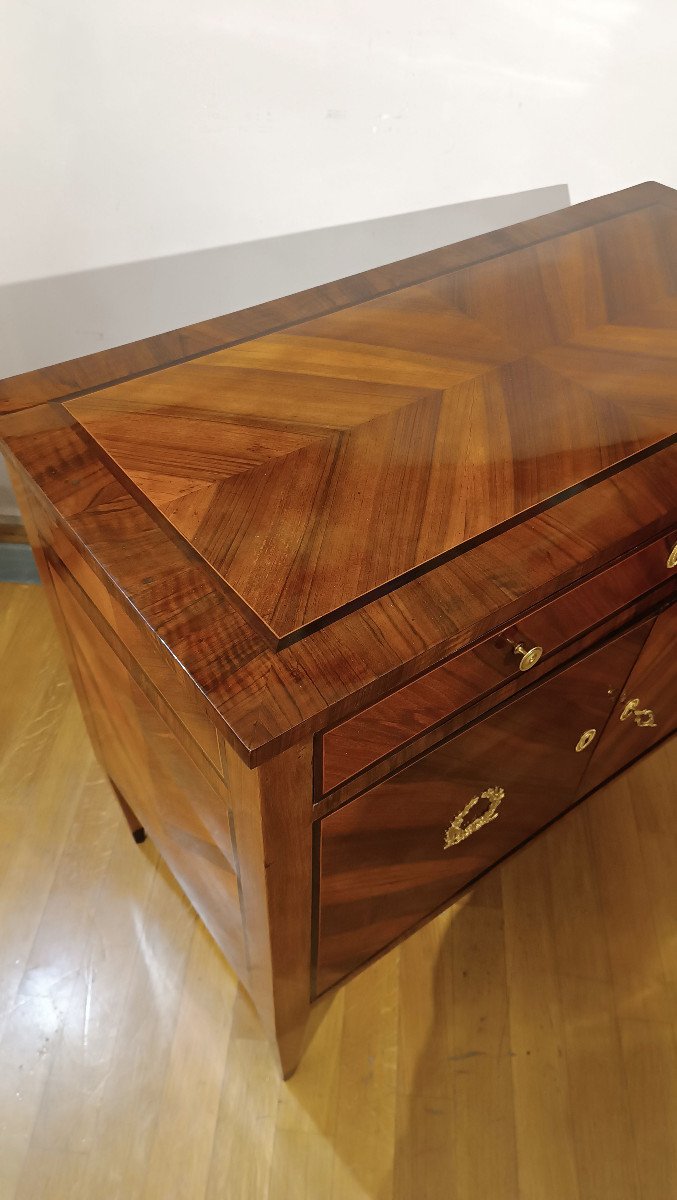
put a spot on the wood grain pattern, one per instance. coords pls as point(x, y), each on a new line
point(312, 469)
point(186, 819)
point(654, 683)
point(165, 676)
point(264, 701)
point(383, 861)
point(273, 819)
point(464, 718)
point(352, 494)
point(398, 719)
point(150, 354)
point(492, 1016)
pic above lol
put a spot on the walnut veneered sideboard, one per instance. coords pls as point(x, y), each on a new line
point(362, 588)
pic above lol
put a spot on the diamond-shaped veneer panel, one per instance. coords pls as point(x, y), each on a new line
point(313, 468)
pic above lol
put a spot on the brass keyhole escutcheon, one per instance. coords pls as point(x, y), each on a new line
point(458, 832)
point(585, 740)
point(643, 717)
point(528, 658)
point(672, 557)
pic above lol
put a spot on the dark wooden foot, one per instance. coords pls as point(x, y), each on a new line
point(138, 831)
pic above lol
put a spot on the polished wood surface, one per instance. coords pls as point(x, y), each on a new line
point(237, 847)
point(652, 685)
point(150, 354)
point(523, 1044)
point(384, 865)
point(401, 717)
point(311, 469)
point(188, 821)
point(144, 655)
point(489, 703)
point(273, 819)
point(264, 701)
point(393, 636)
point(347, 491)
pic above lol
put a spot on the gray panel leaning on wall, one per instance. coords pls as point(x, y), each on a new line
point(45, 321)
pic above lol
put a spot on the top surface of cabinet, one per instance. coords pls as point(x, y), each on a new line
point(315, 467)
point(312, 501)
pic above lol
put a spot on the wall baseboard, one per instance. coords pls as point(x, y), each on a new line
point(12, 529)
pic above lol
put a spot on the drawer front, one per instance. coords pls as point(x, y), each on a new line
point(649, 603)
point(383, 864)
point(355, 744)
point(646, 711)
point(186, 819)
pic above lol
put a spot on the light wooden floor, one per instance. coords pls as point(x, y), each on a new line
point(521, 1047)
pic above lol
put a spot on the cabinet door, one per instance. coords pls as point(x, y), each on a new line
point(647, 709)
point(397, 853)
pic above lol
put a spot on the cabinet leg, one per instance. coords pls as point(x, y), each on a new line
point(289, 1048)
point(272, 819)
point(137, 829)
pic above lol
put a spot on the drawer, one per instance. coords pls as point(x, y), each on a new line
point(400, 851)
point(355, 744)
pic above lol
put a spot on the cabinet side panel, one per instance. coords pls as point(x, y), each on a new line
point(187, 819)
point(27, 506)
point(150, 656)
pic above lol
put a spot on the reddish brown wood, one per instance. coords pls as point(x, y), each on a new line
point(161, 671)
point(187, 820)
point(438, 413)
point(273, 819)
point(356, 499)
point(489, 702)
point(653, 683)
point(153, 353)
point(383, 861)
point(25, 497)
point(265, 701)
point(353, 745)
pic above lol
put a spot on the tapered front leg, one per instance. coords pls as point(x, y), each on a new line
point(137, 830)
point(272, 810)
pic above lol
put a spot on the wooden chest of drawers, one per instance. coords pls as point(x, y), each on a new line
point(362, 588)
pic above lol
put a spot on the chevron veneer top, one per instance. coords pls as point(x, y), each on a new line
point(313, 469)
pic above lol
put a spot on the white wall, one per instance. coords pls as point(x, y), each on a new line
point(48, 320)
point(64, 316)
point(147, 128)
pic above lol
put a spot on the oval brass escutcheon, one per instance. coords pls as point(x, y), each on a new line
point(672, 557)
point(585, 739)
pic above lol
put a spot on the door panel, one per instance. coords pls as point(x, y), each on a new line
point(646, 711)
point(383, 861)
